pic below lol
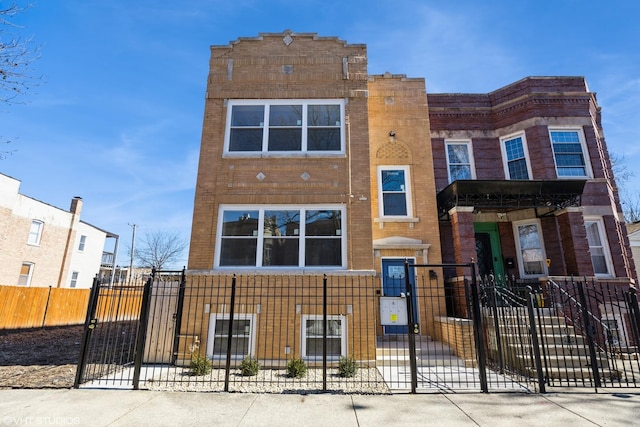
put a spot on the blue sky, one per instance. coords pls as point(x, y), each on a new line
point(117, 117)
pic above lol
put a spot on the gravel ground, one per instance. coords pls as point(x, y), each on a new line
point(365, 381)
point(47, 358)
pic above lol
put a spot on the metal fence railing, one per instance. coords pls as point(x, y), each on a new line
point(565, 333)
point(189, 330)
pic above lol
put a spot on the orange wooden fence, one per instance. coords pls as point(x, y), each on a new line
point(22, 307)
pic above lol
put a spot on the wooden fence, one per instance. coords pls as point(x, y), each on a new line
point(23, 308)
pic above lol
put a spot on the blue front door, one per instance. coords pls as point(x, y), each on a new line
point(393, 284)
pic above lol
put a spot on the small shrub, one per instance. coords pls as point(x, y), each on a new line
point(200, 365)
point(249, 366)
point(347, 367)
point(296, 368)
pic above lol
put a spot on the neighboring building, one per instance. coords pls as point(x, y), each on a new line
point(309, 165)
point(525, 184)
point(42, 245)
point(633, 231)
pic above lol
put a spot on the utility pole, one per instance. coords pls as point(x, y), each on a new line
point(133, 243)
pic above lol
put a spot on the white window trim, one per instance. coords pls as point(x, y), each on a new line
point(469, 145)
point(30, 275)
point(260, 236)
point(516, 237)
point(583, 145)
point(303, 336)
point(212, 331)
point(303, 151)
point(38, 236)
point(82, 243)
point(525, 148)
point(73, 283)
point(605, 244)
point(407, 183)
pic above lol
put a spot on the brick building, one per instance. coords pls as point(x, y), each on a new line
point(525, 184)
point(42, 245)
point(311, 166)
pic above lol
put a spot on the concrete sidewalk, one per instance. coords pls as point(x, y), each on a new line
point(148, 408)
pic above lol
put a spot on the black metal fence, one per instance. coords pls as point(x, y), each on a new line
point(564, 333)
point(258, 332)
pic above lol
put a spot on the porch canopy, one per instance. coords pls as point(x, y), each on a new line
point(504, 196)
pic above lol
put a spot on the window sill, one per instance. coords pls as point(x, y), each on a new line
point(396, 219)
point(296, 154)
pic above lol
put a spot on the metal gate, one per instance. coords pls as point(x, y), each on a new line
point(447, 344)
point(127, 326)
point(564, 333)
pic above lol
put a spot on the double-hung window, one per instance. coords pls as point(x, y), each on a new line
point(514, 152)
point(281, 236)
point(82, 243)
point(242, 336)
point(569, 153)
point(74, 279)
point(285, 126)
point(394, 196)
point(35, 232)
point(600, 255)
point(529, 242)
point(312, 336)
point(459, 160)
point(26, 272)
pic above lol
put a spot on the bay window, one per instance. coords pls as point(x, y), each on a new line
point(568, 153)
point(514, 153)
point(532, 259)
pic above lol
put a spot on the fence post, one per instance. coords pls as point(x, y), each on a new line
point(89, 325)
point(227, 368)
point(179, 309)
point(533, 330)
point(46, 308)
point(478, 331)
point(633, 303)
point(589, 331)
point(142, 329)
point(324, 333)
point(493, 285)
point(412, 329)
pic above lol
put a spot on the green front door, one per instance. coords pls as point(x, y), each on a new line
point(488, 248)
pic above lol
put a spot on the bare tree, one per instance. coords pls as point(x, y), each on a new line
point(629, 199)
point(16, 56)
point(159, 249)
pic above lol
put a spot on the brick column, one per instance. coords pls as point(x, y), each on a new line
point(464, 247)
point(464, 240)
point(574, 243)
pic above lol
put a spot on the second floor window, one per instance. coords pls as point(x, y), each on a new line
point(568, 153)
point(35, 232)
point(394, 197)
point(514, 150)
point(459, 160)
point(285, 126)
point(82, 243)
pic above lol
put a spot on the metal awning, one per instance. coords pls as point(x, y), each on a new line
point(512, 195)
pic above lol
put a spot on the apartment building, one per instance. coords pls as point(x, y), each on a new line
point(525, 184)
point(42, 245)
point(310, 166)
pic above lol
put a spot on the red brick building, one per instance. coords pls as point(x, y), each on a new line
point(524, 181)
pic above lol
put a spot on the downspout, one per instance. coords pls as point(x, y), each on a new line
point(76, 208)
